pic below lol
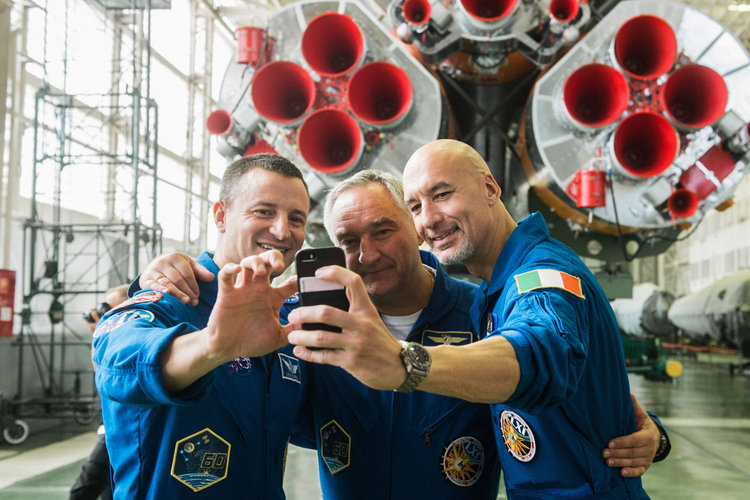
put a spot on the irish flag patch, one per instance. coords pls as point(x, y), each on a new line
point(549, 278)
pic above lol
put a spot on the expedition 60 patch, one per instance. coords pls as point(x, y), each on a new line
point(463, 461)
point(201, 459)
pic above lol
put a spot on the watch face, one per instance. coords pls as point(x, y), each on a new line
point(419, 356)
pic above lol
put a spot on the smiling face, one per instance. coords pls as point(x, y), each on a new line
point(380, 244)
point(450, 193)
point(267, 211)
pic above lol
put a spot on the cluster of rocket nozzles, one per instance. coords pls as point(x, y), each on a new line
point(378, 94)
point(647, 139)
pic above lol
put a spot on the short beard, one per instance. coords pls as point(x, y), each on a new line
point(456, 255)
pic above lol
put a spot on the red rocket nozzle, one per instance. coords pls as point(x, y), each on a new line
point(682, 203)
point(219, 122)
point(380, 93)
point(595, 95)
point(563, 10)
point(645, 47)
point(489, 11)
point(332, 44)
point(329, 140)
point(645, 144)
point(417, 12)
point(282, 92)
point(695, 96)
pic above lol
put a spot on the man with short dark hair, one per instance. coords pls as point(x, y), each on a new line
point(201, 398)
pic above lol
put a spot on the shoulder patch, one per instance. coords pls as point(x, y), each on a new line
point(294, 299)
point(116, 320)
point(549, 278)
point(463, 461)
point(335, 446)
point(517, 435)
point(141, 298)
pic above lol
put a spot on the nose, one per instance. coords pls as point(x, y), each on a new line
point(368, 252)
point(280, 228)
point(428, 217)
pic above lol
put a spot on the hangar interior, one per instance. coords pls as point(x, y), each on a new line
point(119, 117)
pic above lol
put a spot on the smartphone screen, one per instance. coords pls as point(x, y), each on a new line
point(314, 291)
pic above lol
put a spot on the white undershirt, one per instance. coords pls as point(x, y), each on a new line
point(401, 326)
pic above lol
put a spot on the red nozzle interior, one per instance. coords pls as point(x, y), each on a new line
point(417, 12)
point(380, 93)
point(645, 47)
point(645, 144)
point(489, 10)
point(596, 95)
point(682, 203)
point(282, 91)
point(332, 44)
point(219, 122)
point(329, 140)
point(695, 96)
point(563, 10)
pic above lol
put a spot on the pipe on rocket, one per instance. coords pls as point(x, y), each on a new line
point(682, 203)
point(489, 11)
point(417, 12)
point(563, 10)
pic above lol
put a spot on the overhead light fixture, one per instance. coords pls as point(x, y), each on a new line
point(739, 7)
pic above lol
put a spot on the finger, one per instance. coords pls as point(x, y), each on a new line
point(356, 292)
point(633, 453)
point(633, 471)
point(322, 339)
point(256, 266)
point(228, 276)
point(287, 288)
point(328, 315)
point(320, 356)
point(181, 274)
point(164, 284)
point(201, 272)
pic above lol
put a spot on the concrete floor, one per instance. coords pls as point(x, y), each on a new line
point(706, 412)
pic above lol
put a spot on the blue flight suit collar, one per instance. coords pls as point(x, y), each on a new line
point(529, 232)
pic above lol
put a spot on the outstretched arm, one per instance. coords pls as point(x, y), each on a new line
point(243, 322)
point(176, 274)
point(635, 452)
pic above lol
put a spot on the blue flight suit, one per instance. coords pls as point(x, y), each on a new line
point(386, 445)
point(225, 436)
point(573, 395)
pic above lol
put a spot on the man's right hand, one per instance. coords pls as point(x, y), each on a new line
point(175, 273)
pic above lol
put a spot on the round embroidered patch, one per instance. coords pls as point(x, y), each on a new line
point(518, 436)
point(463, 461)
point(239, 366)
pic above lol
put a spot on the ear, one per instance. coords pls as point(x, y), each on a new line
point(491, 189)
point(220, 214)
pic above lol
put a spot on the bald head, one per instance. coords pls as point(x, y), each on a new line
point(455, 203)
point(450, 154)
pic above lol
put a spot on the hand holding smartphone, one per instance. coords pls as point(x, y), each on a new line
point(314, 291)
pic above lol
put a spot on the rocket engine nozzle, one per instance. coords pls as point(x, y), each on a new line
point(417, 12)
point(282, 92)
point(682, 203)
point(332, 44)
point(219, 122)
point(645, 144)
point(489, 11)
point(595, 95)
point(330, 140)
point(645, 47)
point(563, 10)
point(380, 93)
point(695, 96)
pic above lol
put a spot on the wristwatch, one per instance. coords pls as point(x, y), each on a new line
point(417, 362)
point(664, 445)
